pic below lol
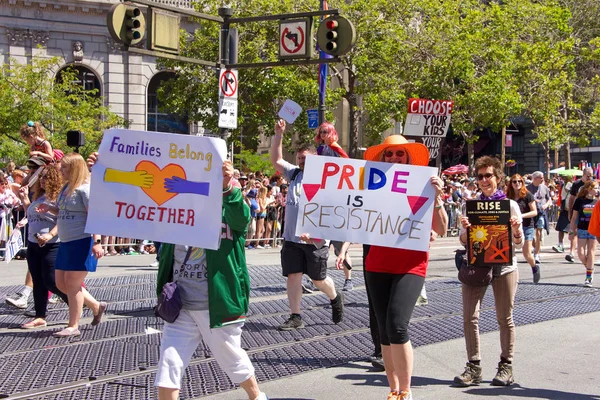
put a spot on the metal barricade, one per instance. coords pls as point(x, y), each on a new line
point(454, 212)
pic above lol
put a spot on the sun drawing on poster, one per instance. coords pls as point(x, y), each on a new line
point(479, 234)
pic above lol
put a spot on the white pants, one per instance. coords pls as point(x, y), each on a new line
point(181, 338)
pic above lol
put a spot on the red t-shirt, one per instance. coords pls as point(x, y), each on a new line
point(397, 261)
point(594, 226)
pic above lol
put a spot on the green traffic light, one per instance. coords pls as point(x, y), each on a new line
point(126, 24)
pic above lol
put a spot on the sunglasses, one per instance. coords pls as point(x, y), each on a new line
point(399, 153)
point(486, 176)
point(517, 181)
point(321, 132)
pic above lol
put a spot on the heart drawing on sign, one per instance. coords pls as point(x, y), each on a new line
point(157, 191)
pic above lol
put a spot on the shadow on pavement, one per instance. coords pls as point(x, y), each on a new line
point(516, 390)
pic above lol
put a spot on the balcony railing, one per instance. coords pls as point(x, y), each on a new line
point(176, 3)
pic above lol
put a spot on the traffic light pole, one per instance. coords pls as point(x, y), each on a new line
point(226, 13)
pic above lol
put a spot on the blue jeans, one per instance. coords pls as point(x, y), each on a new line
point(528, 232)
point(583, 234)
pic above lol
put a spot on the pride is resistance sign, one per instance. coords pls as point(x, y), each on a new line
point(367, 202)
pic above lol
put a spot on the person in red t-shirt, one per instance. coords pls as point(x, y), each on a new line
point(395, 276)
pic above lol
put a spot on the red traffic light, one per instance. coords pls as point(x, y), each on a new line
point(331, 24)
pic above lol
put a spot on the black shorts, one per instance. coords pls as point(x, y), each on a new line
point(304, 259)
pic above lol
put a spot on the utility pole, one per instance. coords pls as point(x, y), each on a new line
point(226, 13)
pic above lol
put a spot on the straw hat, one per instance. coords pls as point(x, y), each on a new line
point(418, 153)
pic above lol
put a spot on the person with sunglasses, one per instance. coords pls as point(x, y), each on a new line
point(395, 276)
point(517, 192)
point(489, 174)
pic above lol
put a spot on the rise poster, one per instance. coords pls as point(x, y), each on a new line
point(489, 236)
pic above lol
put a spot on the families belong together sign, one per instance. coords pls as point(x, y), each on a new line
point(164, 187)
point(367, 202)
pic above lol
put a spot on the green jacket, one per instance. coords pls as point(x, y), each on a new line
point(228, 279)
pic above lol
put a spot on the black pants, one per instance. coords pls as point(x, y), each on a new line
point(40, 261)
point(394, 297)
point(373, 328)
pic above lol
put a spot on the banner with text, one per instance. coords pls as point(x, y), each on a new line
point(367, 202)
point(158, 186)
point(427, 122)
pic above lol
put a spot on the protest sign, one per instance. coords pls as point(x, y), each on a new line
point(164, 187)
point(488, 238)
point(290, 111)
point(428, 122)
point(14, 244)
point(367, 202)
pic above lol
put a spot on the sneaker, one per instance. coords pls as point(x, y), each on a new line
point(337, 308)
point(377, 363)
point(259, 247)
point(308, 286)
point(404, 395)
point(18, 300)
point(154, 264)
point(471, 376)
point(267, 246)
point(348, 285)
point(537, 259)
point(504, 376)
point(588, 282)
point(536, 273)
point(392, 395)
point(421, 301)
point(294, 322)
point(54, 299)
point(250, 247)
point(570, 258)
point(558, 248)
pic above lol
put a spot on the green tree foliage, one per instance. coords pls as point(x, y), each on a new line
point(250, 161)
point(30, 92)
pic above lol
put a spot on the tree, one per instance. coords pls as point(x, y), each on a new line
point(28, 92)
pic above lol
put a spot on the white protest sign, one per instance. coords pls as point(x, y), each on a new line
point(430, 121)
point(14, 244)
point(290, 111)
point(367, 202)
point(164, 187)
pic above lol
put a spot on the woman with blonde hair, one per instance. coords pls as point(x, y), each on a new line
point(78, 252)
point(580, 221)
point(519, 193)
point(261, 216)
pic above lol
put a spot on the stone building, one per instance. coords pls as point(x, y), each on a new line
point(76, 32)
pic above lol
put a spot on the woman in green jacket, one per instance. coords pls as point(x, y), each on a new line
point(215, 288)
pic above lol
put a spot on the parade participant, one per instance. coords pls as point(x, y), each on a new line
point(527, 204)
point(43, 242)
point(78, 252)
point(215, 292)
point(582, 213)
point(504, 285)
point(395, 276)
point(541, 194)
point(562, 225)
point(326, 140)
point(587, 174)
point(301, 254)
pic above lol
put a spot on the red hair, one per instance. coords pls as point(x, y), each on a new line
point(510, 192)
point(332, 135)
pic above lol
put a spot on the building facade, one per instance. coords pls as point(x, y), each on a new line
point(75, 31)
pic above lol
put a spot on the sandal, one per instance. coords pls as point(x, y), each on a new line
point(36, 323)
point(67, 332)
point(98, 317)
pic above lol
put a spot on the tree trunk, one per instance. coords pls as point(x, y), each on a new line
point(555, 157)
point(568, 156)
point(471, 156)
point(547, 158)
point(503, 148)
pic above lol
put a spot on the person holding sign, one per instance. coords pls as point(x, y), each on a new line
point(504, 285)
point(215, 291)
point(301, 254)
point(78, 252)
point(395, 276)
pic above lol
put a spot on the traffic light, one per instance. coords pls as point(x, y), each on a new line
point(126, 24)
point(336, 35)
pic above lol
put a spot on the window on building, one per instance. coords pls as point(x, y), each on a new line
point(518, 144)
point(158, 119)
point(84, 77)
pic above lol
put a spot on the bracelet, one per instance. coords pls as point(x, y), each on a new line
point(571, 233)
point(438, 207)
point(229, 189)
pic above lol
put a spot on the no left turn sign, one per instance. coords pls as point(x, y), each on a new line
point(228, 83)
